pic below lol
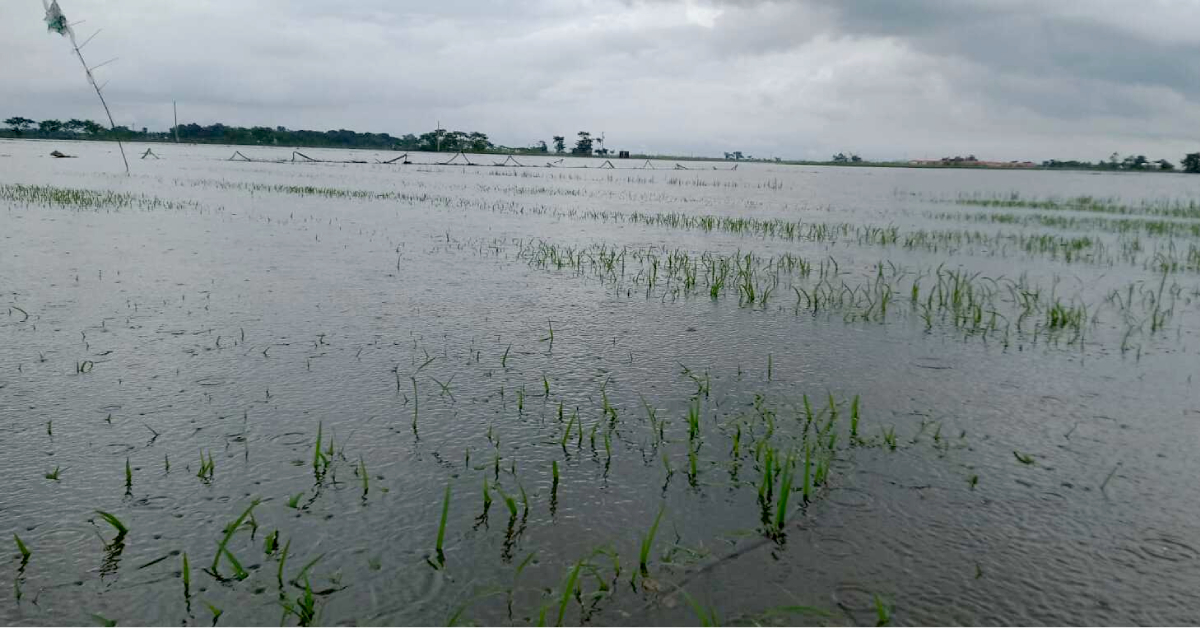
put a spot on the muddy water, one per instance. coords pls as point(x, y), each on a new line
point(1039, 480)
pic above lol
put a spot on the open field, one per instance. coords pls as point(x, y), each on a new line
point(325, 393)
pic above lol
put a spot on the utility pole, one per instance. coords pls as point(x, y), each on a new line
point(176, 109)
point(439, 136)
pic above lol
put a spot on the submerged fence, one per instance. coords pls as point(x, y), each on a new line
point(461, 159)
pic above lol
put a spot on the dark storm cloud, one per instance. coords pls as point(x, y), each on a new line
point(1033, 38)
point(1010, 78)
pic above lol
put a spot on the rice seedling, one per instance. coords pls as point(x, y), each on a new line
point(509, 502)
point(271, 543)
point(706, 615)
point(889, 438)
point(785, 492)
point(416, 405)
point(23, 549)
point(128, 477)
point(283, 556)
point(550, 337)
point(693, 419)
point(294, 500)
point(1107, 478)
point(692, 472)
point(303, 607)
point(487, 496)
point(854, 439)
point(113, 521)
point(883, 612)
point(207, 467)
point(766, 488)
point(223, 550)
point(545, 386)
point(806, 488)
point(441, 535)
point(362, 472)
point(973, 481)
point(445, 387)
point(104, 621)
point(216, 612)
point(1023, 458)
point(186, 573)
point(53, 475)
point(568, 591)
point(49, 428)
point(648, 542)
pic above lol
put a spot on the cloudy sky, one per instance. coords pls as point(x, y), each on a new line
point(1003, 79)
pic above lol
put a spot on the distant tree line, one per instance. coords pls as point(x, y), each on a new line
point(438, 139)
point(448, 141)
point(433, 141)
point(1190, 163)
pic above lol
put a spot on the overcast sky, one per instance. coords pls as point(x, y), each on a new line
point(1003, 79)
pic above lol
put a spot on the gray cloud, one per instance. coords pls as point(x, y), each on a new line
point(1004, 78)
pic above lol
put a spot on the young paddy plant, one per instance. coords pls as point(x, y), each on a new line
point(223, 546)
point(23, 549)
point(785, 492)
point(693, 419)
point(186, 574)
point(692, 456)
point(366, 481)
point(648, 542)
point(113, 521)
point(510, 503)
point(441, 534)
point(207, 468)
point(487, 496)
point(303, 607)
point(854, 438)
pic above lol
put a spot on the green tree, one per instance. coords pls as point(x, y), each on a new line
point(541, 147)
point(583, 146)
point(262, 134)
point(1191, 163)
point(19, 124)
point(74, 125)
point(50, 126)
point(560, 144)
point(92, 128)
point(1163, 164)
point(479, 142)
point(1134, 162)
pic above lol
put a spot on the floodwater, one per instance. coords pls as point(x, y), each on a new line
point(421, 319)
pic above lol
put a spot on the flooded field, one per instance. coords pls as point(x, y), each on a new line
point(328, 393)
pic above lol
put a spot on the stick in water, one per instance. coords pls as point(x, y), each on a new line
point(57, 22)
